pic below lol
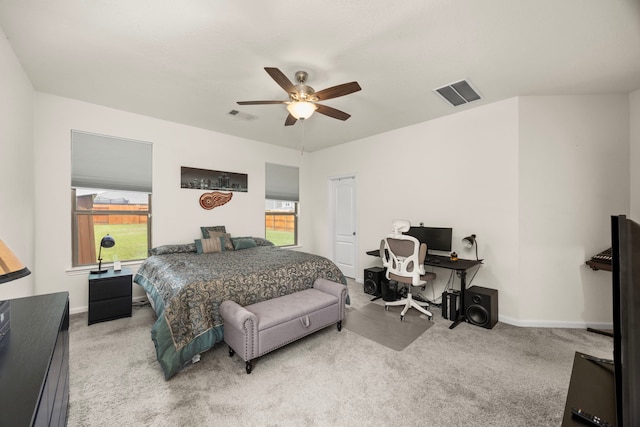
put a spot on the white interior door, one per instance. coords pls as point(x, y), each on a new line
point(344, 220)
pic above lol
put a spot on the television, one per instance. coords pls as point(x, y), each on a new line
point(436, 238)
point(625, 240)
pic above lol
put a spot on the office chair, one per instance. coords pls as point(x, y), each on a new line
point(403, 257)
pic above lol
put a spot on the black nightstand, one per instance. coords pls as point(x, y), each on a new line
point(109, 295)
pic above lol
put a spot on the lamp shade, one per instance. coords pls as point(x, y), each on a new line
point(10, 266)
point(469, 241)
point(107, 242)
point(301, 109)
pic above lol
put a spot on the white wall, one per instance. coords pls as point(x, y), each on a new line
point(574, 174)
point(458, 171)
point(177, 214)
point(16, 167)
point(535, 178)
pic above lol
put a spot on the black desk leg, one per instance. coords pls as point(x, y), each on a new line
point(601, 332)
point(461, 314)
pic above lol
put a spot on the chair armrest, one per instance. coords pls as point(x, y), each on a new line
point(333, 288)
point(240, 329)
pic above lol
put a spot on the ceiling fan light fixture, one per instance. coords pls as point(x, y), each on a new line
point(302, 98)
point(301, 110)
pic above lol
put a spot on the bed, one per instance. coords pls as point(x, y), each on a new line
point(186, 289)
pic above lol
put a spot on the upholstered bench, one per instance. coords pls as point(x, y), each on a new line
point(257, 329)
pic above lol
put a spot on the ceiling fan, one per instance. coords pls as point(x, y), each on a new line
point(303, 99)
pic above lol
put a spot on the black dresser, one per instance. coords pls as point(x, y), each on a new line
point(34, 362)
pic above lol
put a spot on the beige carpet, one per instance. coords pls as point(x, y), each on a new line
point(468, 376)
point(384, 327)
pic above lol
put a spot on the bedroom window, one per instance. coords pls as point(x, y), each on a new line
point(281, 205)
point(110, 194)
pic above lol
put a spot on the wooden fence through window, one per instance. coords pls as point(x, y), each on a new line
point(280, 221)
point(122, 218)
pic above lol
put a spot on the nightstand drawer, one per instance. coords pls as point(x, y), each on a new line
point(109, 309)
point(109, 288)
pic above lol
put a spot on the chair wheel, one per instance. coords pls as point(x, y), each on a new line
point(386, 307)
point(401, 318)
point(430, 317)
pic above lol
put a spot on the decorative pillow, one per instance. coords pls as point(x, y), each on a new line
point(262, 242)
point(218, 228)
point(225, 237)
point(173, 249)
point(243, 243)
point(205, 246)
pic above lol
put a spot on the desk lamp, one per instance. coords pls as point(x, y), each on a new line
point(106, 242)
point(469, 242)
point(10, 269)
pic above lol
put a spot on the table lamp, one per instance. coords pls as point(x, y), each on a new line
point(106, 242)
point(469, 242)
point(10, 269)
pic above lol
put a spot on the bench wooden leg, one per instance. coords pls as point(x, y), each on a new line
point(339, 325)
point(248, 366)
point(231, 352)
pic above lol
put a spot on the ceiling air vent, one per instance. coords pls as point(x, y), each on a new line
point(241, 116)
point(458, 93)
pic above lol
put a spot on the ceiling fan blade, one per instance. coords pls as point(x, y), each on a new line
point(281, 79)
point(290, 120)
point(332, 112)
point(336, 91)
point(260, 102)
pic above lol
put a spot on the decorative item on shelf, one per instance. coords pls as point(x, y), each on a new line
point(469, 242)
point(106, 242)
point(453, 257)
point(212, 200)
point(10, 269)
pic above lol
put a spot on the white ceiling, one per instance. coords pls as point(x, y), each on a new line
point(189, 61)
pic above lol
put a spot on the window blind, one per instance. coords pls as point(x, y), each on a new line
point(282, 182)
point(99, 161)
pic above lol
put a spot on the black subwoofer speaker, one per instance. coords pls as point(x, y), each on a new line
point(481, 306)
point(373, 278)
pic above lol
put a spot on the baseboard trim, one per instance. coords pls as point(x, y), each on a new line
point(554, 323)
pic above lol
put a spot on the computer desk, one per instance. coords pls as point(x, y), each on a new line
point(460, 267)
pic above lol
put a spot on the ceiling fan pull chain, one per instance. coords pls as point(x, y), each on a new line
point(302, 148)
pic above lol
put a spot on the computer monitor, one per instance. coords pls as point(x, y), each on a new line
point(436, 238)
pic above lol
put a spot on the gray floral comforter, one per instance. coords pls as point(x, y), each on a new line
point(187, 289)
